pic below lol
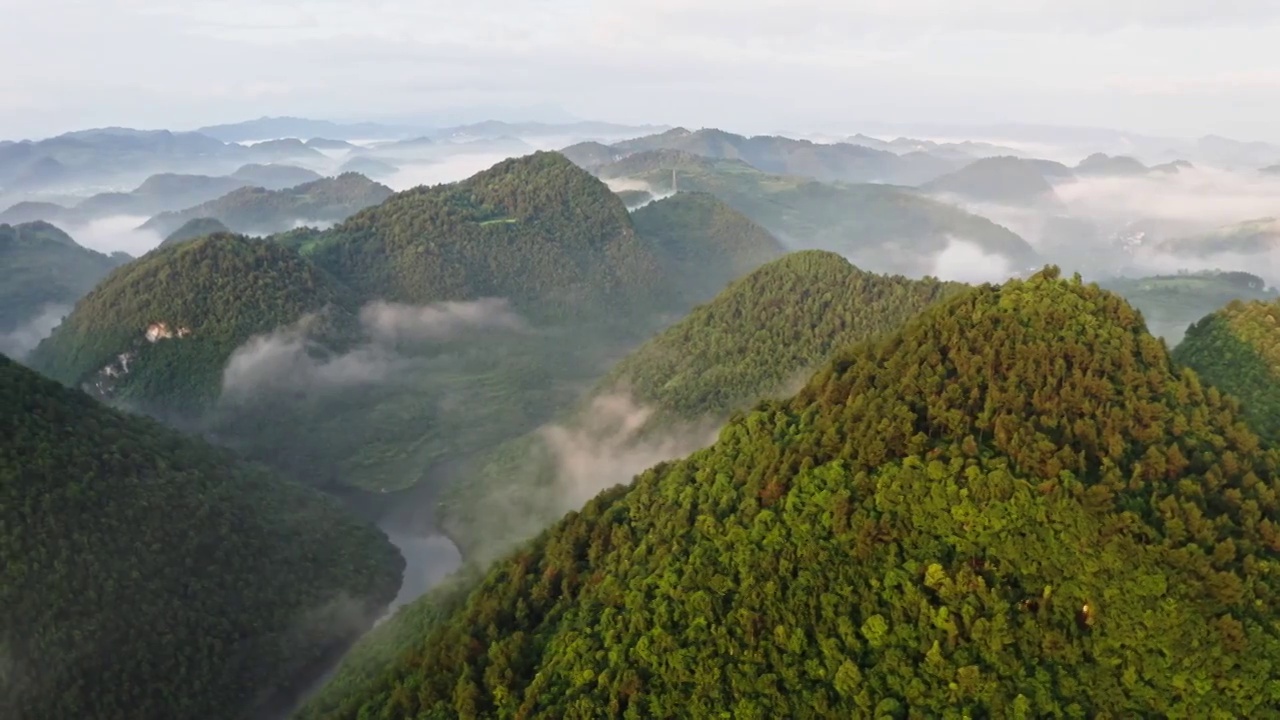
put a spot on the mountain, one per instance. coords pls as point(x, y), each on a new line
point(1251, 237)
point(1014, 506)
point(156, 194)
point(260, 211)
point(192, 229)
point(536, 230)
point(283, 149)
point(157, 334)
point(768, 329)
point(1000, 180)
point(274, 177)
point(1237, 350)
point(634, 199)
point(268, 128)
point(108, 155)
point(703, 242)
point(1171, 303)
point(28, 211)
point(326, 144)
point(592, 155)
point(369, 167)
point(1119, 165)
point(42, 272)
point(147, 575)
point(785, 156)
point(881, 228)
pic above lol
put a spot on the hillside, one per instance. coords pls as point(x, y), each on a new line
point(839, 162)
point(703, 243)
point(1015, 506)
point(157, 333)
point(1170, 303)
point(42, 267)
point(1237, 350)
point(1114, 165)
point(1251, 237)
point(148, 576)
point(536, 230)
point(194, 228)
point(1001, 180)
point(255, 210)
point(879, 227)
point(274, 176)
point(768, 329)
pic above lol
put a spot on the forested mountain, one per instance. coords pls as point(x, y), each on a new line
point(194, 228)
point(1115, 165)
point(768, 329)
point(781, 155)
point(94, 155)
point(1171, 303)
point(42, 266)
point(255, 210)
point(879, 227)
point(147, 576)
point(1015, 506)
point(1251, 237)
point(703, 243)
point(1237, 349)
point(1001, 180)
point(157, 333)
point(536, 230)
point(274, 176)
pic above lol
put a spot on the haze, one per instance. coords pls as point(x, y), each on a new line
point(1177, 67)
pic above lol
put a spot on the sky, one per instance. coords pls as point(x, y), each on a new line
point(1169, 67)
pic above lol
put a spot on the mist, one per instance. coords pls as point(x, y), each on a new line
point(965, 261)
point(118, 233)
point(623, 184)
point(448, 169)
point(23, 339)
point(292, 358)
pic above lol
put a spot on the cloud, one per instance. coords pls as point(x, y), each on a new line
point(393, 322)
point(292, 359)
point(966, 261)
point(22, 340)
point(118, 233)
point(608, 445)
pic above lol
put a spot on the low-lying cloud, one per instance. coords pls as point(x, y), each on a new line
point(118, 233)
point(965, 261)
point(608, 445)
point(291, 358)
point(23, 339)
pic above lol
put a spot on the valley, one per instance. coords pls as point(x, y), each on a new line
point(651, 422)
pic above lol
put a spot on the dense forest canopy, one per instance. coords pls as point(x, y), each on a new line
point(1237, 349)
point(41, 266)
point(258, 210)
point(176, 314)
point(144, 575)
point(768, 329)
point(882, 228)
point(1015, 506)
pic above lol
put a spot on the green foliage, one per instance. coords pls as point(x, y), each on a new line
point(194, 228)
point(766, 330)
point(40, 265)
point(564, 245)
point(1015, 506)
point(1170, 303)
point(1237, 349)
point(258, 210)
point(882, 228)
point(1005, 180)
point(212, 294)
point(703, 243)
point(149, 576)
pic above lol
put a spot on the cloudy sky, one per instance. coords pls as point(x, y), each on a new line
point(1182, 67)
